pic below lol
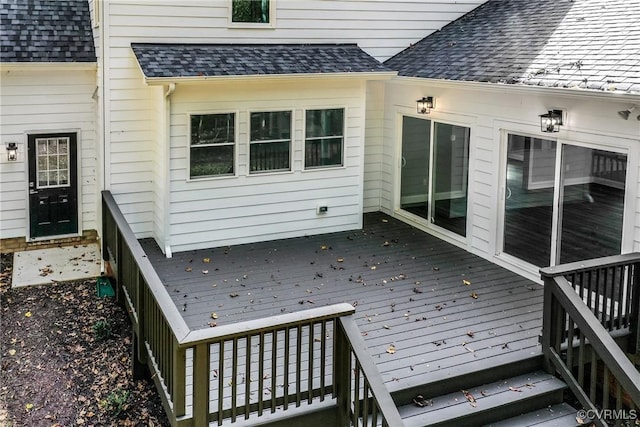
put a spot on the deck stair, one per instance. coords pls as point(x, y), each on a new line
point(506, 395)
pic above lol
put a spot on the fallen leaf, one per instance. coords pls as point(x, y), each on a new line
point(206, 260)
point(384, 326)
point(212, 324)
point(515, 389)
point(385, 220)
point(470, 334)
point(391, 349)
point(28, 314)
point(188, 269)
point(469, 397)
point(214, 315)
point(12, 352)
point(474, 295)
point(323, 247)
point(466, 282)
point(28, 406)
point(233, 295)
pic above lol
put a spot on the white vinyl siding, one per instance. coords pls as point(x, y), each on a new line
point(45, 101)
point(254, 207)
point(381, 27)
point(134, 149)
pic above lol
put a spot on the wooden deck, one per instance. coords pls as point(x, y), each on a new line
point(408, 288)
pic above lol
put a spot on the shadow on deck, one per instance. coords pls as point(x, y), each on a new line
point(443, 310)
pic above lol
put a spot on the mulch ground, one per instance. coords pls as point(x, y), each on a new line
point(65, 359)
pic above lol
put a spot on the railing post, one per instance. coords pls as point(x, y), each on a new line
point(179, 379)
point(139, 362)
point(547, 329)
point(201, 360)
point(341, 373)
point(634, 327)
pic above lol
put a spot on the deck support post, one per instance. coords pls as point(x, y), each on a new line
point(139, 369)
point(201, 361)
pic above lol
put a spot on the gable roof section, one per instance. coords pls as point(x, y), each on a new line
point(199, 61)
point(46, 31)
point(587, 44)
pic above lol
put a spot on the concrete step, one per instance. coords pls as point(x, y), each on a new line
point(560, 415)
point(492, 402)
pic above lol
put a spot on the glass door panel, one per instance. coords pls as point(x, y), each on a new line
point(528, 215)
point(450, 177)
point(592, 187)
point(414, 175)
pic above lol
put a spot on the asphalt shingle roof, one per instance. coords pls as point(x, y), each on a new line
point(46, 31)
point(197, 60)
point(588, 44)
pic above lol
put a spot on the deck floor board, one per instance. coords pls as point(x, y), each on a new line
point(407, 287)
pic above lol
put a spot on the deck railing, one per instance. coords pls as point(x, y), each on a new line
point(586, 305)
point(363, 399)
point(241, 370)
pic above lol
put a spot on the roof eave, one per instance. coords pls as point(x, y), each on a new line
point(522, 88)
point(48, 66)
point(373, 75)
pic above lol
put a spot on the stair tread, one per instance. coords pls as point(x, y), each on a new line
point(560, 415)
point(487, 397)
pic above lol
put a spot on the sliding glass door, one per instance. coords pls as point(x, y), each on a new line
point(563, 202)
point(434, 176)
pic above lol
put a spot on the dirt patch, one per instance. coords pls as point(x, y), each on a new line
point(65, 359)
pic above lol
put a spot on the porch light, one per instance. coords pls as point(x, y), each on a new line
point(425, 104)
point(626, 113)
point(12, 151)
point(551, 121)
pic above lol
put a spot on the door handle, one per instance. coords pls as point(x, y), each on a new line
point(33, 191)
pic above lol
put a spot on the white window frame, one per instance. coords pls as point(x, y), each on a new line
point(255, 25)
point(305, 139)
point(234, 144)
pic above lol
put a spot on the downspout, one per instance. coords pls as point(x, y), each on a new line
point(167, 169)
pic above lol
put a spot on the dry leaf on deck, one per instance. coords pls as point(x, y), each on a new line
point(469, 397)
point(391, 349)
point(466, 282)
point(474, 295)
point(206, 260)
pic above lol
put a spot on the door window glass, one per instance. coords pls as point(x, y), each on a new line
point(53, 162)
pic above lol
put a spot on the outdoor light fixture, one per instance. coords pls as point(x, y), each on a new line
point(425, 104)
point(551, 121)
point(626, 113)
point(12, 151)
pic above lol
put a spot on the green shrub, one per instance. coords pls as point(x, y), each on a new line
point(102, 330)
point(115, 401)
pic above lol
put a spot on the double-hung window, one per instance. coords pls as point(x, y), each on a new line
point(270, 144)
point(324, 138)
point(212, 145)
point(251, 11)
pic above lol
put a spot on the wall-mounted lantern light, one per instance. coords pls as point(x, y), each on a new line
point(626, 113)
point(12, 151)
point(551, 121)
point(425, 104)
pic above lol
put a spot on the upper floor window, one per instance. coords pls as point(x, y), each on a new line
point(251, 11)
point(212, 145)
point(324, 138)
point(270, 141)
